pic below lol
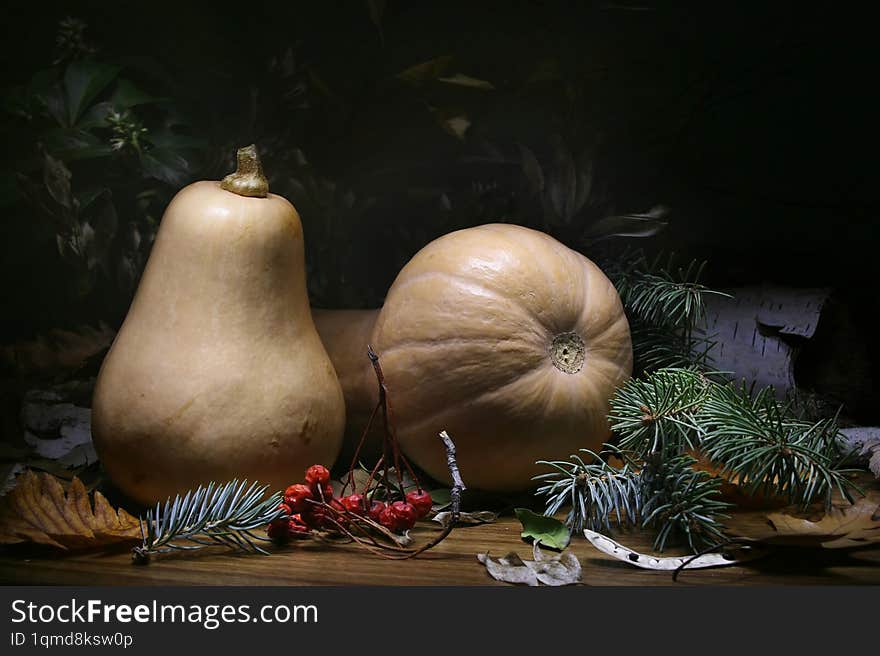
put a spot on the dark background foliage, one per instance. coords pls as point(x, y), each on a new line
point(750, 123)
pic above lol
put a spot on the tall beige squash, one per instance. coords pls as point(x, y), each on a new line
point(217, 371)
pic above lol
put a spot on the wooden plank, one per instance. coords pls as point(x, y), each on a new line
point(453, 562)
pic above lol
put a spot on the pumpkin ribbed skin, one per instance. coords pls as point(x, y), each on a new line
point(217, 371)
point(508, 340)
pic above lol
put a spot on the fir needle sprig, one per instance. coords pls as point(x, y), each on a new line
point(680, 500)
point(596, 492)
point(665, 305)
point(211, 515)
point(759, 443)
point(657, 413)
point(663, 493)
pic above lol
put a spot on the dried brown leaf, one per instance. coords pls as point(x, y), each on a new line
point(58, 350)
point(843, 526)
point(554, 570)
point(465, 518)
point(39, 510)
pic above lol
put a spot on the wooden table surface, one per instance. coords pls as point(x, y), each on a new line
point(453, 562)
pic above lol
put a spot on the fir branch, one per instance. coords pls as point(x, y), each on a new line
point(596, 491)
point(666, 308)
point(756, 440)
point(664, 493)
point(662, 347)
point(656, 414)
point(211, 515)
point(682, 500)
point(661, 293)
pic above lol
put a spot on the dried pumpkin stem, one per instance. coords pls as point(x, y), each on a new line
point(248, 179)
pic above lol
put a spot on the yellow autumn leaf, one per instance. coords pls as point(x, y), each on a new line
point(38, 510)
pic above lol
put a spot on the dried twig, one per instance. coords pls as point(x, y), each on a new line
point(455, 495)
point(457, 484)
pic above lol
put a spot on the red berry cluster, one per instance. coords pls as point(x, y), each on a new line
point(303, 506)
point(397, 516)
point(306, 508)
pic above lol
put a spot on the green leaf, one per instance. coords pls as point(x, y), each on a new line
point(83, 81)
point(55, 105)
point(441, 497)
point(42, 82)
point(166, 139)
point(95, 116)
point(165, 165)
point(56, 177)
point(549, 531)
point(105, 223)
point(128, 95)
point(88, 196)
point(72, 144)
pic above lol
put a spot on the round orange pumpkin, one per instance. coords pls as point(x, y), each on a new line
point(511, 342)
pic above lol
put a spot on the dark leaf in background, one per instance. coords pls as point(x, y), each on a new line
point(88, 196)
point(462, 80)
point(628, 225)
point(128, 95)
point(426, 71)
point(56, 177)
point(95, 116)
point(166, 165)
point(72, 144)
point(76, 242)
point(83, 81)
point(169, 140)
point(584, 183)
point(56, 106)
point(126, 273)
point(562, 183)
point(376, 9)
point(532, 170)
point(105, 223)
